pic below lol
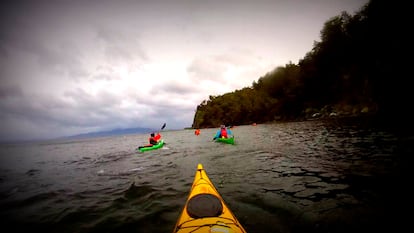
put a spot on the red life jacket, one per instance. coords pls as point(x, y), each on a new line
point(223, 133)
point(154, 140)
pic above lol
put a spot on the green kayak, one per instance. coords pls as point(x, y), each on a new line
point(154, 147)
point(226, 140)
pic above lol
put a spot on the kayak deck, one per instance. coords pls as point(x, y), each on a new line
point(205, 209)
point(226, 140)
point(156, 146)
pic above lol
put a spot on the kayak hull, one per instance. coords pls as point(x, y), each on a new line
point(154, 147)
point(226, 140)
point(205, 209)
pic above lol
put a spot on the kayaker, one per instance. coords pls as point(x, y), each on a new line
point(197, 132)
point(154, 138)
point(223, 132)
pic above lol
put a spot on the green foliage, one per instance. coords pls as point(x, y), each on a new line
point(355, 68)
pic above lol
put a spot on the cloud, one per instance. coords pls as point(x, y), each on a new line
point(70, 67)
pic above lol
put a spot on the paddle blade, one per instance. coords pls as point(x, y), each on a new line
point(163, 126)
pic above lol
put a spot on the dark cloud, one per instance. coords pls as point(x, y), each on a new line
point(181, 88)
point(7, 92)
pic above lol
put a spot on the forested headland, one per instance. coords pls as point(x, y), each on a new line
point(359, 67)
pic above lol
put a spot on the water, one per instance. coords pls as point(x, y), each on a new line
point(314, 176)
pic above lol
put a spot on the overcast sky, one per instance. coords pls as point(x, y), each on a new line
point(78, 66)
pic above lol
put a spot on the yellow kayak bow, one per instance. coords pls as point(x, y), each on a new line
point(205, 209)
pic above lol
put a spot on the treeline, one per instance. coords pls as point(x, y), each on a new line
point(357, 68)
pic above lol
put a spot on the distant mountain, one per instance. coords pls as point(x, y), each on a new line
point(113, 132)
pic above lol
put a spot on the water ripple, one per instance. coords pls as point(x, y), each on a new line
point(318, 176)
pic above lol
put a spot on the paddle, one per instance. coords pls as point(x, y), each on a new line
point(162, 127)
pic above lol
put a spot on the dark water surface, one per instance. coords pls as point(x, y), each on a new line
point(314, 176)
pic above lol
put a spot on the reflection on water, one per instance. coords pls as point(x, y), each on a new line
point(315, 176)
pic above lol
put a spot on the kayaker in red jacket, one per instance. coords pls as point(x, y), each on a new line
point(223, 132)
point(154, 138)
point(197, 132)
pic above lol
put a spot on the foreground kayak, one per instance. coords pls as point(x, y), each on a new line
point(226, 140)
point(156, 146)
point(205, 210)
